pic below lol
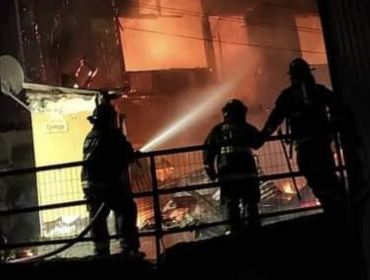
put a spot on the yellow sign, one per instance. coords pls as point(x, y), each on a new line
point(60, 126)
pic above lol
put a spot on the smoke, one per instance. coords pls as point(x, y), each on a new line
point(207, 101)
point(170, 34)
point(197, 110)
point(155, 36)
point(216, 94)
point(236, 58)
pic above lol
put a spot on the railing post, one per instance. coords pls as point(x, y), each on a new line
point(2, 243)
point(338, 148)
point(157, 206)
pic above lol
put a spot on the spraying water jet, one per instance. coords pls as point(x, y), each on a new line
point(215, 93)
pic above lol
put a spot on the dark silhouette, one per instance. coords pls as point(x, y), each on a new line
point(229, 144)
point(311, 113)
point(107, 155)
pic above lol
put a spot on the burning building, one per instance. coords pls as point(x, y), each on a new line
point(175, 63)
point(170, 54)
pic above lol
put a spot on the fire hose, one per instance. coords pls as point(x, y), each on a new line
point(64, 247)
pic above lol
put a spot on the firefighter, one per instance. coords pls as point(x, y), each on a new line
point(311, 112)
point(107, 155)
point(228, 157)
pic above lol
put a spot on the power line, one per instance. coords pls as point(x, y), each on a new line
point(256, 22)
point(258, 2)
point(284, 7)
point(252, 45)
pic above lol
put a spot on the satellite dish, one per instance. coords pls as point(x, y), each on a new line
point(12, 78)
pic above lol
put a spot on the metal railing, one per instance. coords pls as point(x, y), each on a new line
point(176, 201)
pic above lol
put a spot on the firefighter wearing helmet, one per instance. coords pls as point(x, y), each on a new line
point(107, 155)
point(228, 157)
point(310, 110)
